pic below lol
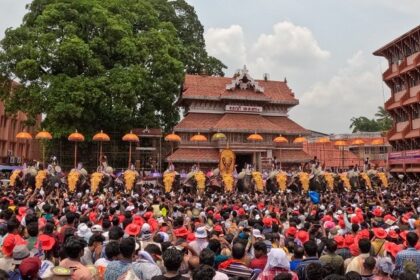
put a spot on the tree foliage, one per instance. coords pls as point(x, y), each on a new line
point(103, 64)
point(364, 124)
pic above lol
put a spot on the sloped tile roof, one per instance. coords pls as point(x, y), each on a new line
point(293, 156)
point(195, 155)
point(214, 88)
point(245, 123)
point(198, 122)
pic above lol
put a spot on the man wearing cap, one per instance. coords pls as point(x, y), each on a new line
point(20, 253)
point(201, 240)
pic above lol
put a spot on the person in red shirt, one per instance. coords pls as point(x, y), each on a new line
point(260, 252)
point(68, 227)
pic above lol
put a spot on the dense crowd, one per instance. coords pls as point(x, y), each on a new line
point(358, 234)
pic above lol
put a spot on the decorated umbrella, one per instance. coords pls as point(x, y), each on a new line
point(172, 138)
point(130, 138)
point(280, 140)
point(378, 141)
point(323, 141)
point(300, 140)
point(76, 137)
point(198, 138)
point(101, 137)
point(25, 136)
point(220, 136)
point(43, 136)
point(255, 138)
point(340, 144)
point(359, 142)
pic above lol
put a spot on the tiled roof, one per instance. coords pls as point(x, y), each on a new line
point(287, 126)
point(396, 136)
point(245, 123)
point(196, 122)
point(214, 88)
point(195, 155)
point(293, 156)
point(413, 134)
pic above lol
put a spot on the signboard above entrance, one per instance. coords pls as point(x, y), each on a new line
point(240, 108)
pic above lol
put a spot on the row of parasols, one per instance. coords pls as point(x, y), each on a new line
point(279, 139)
point(77, 137)
point(172, 137)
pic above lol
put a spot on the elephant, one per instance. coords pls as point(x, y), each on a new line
point(245, 183)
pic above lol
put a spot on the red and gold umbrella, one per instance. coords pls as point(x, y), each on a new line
point(76, 137)
point(43, 136)
point(101, 137)
point(130, 138)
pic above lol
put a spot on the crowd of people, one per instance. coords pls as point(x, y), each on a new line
point(147, 234)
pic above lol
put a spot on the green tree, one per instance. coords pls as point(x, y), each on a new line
point(100, 64)
point(384, 118)
point(363, 124)
point(190, 31)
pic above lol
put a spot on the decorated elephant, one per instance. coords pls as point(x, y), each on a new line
point(195, 181)
point(244, 183)
point(77, 180)
point(16, 179)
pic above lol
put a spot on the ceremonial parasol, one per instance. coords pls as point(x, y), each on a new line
point(220, 136)
point(340, 144)
point(280, 140)
point(255, 137)
point(323, 141)
point(101, 137)
point(43, 136)
point(358, 142)
point(172, 138)
point(300, 140)
point(198, 138)
point(76, 137)
point(130, 138)
point(378, 141)
point(23, 135)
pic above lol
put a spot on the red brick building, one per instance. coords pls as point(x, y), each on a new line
point(237, 107)
point(403, 78)
point(12, 150)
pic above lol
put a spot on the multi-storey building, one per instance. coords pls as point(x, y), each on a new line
point(237, 107)
point(12, 150)
point(403, 78)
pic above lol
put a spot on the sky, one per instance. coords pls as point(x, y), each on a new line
point(323, 48)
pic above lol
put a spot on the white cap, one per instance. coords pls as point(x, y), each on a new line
point(257, 233)
point(96, 228)
point(145, 227)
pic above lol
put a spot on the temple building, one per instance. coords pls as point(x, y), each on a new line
point(237, 107)
point(403, 78)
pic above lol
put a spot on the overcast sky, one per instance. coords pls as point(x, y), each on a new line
point(324, 48)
